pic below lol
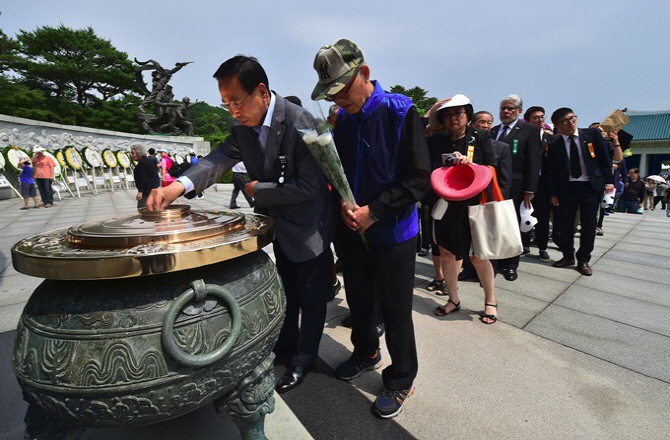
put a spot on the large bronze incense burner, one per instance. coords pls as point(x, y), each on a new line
point(147, 317)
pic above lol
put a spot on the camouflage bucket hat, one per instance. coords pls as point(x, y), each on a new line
point(336, 64)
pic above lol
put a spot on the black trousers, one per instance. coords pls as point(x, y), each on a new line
point(517, 196)
point(543, 207)
point(382, 277)
point(142, 203)
point(239, 180)
point(579, 195)
point(306, 286)
point(46, 192)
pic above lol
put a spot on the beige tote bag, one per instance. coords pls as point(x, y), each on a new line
point(494, 226)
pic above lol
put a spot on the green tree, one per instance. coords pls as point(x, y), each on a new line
point(212, 123)
point(75, 65)
point(117, 114)
point(418, 96)
point(8, 52)
point(24, 102)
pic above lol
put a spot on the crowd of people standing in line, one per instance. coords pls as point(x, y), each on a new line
point(388, 154)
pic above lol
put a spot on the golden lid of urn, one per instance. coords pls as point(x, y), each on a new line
point(148, 243)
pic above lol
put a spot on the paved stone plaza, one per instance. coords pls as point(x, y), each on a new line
point(572, 357)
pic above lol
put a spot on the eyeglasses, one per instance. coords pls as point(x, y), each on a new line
point(344, 93)
point(570, 120)
point(455, 114)
point(538, 118)
point(508, 108)
point(235, 105)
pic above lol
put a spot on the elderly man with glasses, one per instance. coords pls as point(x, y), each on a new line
point(381, 142)
point(289, 186)
point(524, 141)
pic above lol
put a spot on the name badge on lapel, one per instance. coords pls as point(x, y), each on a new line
point(282, 169)
point(593, 154)
point(515, 147)
point(471, 151)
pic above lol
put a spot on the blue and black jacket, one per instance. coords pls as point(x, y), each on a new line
point(385, 158)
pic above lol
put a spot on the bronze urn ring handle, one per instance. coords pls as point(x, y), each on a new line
point(199, 291)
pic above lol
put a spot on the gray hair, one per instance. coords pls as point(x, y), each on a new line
point(140, 150)
point(482, 112)
point(516, 99)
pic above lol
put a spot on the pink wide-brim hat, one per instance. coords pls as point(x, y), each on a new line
point(460, 182)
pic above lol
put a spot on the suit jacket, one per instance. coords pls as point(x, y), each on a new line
point(542, 186)
point(503, 167)
point(299, 207)
point(598, 168)
point(525, 139)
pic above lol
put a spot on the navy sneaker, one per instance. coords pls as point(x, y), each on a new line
point(390, 402)
point(357, 365)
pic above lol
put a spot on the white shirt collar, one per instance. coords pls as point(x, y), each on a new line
point(271, 109)
point(510, 125)
point(567, 138)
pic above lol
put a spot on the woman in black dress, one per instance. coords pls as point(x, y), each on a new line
point(452, 232)
point(145, 174)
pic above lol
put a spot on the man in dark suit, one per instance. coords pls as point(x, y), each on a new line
point(524, 140)
point(542, 201)
point(289, 186)
point(483, 120)
point(579, 169)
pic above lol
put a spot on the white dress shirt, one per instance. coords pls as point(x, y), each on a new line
point(566, 139)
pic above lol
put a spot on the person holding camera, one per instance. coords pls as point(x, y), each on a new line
point(452, 231)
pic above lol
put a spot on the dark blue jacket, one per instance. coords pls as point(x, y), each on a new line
point(385, 158)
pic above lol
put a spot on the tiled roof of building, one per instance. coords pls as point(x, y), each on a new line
point(649, 125)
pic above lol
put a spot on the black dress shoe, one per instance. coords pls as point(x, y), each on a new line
point(380, 329)
point(510, 274)
point(291, 379)
point(584, 268)
point(564, 262)
point(466, 275)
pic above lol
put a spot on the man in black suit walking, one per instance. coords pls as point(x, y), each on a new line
point(524, 139)
point(579, 169)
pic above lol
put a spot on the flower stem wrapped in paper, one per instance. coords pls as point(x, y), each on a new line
point(323, 149)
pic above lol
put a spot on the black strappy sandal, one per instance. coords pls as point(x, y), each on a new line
point(435, 285)
point(493, 318)
point(441, 311)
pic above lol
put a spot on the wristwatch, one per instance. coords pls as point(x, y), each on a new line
point(373, 217)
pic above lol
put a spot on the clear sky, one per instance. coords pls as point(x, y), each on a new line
point(591, 55)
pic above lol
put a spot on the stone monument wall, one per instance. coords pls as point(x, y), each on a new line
point(26, 133)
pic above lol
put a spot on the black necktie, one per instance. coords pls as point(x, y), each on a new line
point(575, 167)
point(504, 133)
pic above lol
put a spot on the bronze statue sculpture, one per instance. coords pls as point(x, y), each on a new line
point(169, 117)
